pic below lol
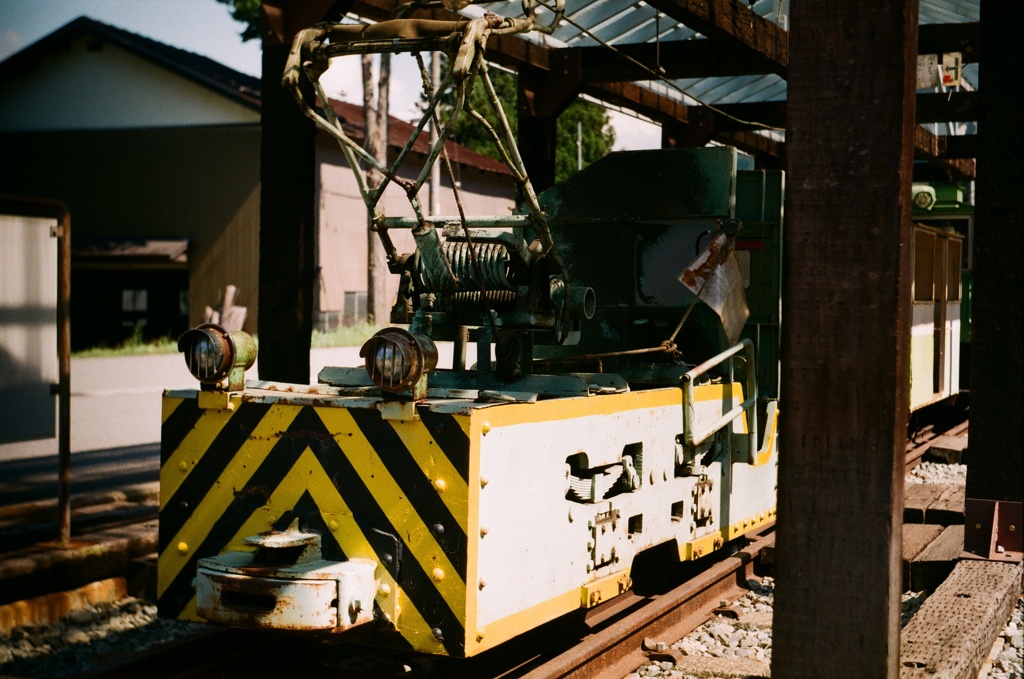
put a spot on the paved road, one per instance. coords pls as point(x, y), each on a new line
point(115, 402)
point(35, 478)
point(115, 423)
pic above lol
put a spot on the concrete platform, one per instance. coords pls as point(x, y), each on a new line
point(39, 578)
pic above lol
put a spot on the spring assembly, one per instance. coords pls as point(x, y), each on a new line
point(474, 299)
point(493, 259)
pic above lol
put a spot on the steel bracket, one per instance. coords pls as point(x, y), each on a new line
point(992, 530)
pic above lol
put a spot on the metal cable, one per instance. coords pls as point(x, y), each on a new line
point(655, 75)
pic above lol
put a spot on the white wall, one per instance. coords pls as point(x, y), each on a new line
point(28, 329)
point(98, 85)
point(341, 214)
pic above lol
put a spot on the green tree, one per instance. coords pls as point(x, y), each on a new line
point(248, 13)
point(598, 135)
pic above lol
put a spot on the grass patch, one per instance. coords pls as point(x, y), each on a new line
point(135, 345)
point(352, 336)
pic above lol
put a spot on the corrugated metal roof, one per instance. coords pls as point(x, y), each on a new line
point(618, 22)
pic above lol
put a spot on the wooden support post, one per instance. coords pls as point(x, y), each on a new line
point(287, 227)
point(695, 133)
point(542, 96)
point(288, 173)
point(994, 469)
point(845, 352)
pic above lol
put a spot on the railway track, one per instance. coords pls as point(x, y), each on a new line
point(922, 441)
point(619, 648)
point(607, 641)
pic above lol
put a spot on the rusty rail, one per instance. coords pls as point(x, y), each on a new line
point(917, 450)
point(617, 650)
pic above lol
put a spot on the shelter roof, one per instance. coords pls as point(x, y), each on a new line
point(708, 70)
point(618, 23)
point(171, 251)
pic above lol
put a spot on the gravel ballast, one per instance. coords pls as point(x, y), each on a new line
point(748, 638)
point(88, 639)
point(101, 635)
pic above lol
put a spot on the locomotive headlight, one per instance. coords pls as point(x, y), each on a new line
point(924, 196)
point(213, 354)
point(397, 360)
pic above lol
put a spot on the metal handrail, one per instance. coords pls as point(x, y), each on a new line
point(692, 439)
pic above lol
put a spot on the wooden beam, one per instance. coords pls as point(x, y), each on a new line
point(931, 108)
point(756, 145)
point(961, 146)
point(947, 107)
point(712, 58)
point(997, 355)
point(763, 43)
point(287, 199)
point(541, 97)
point(677, 59)
point(939, 38)
point(698, 132)
point(845, 353)
point(641, 100)
point(282, 19)
point(772, 113)
point(522, 55)
point(608, 77)
point(953, 632)
point(932, 148)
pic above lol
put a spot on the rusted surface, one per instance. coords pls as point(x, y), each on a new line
point(993, 529)
point(396, 360)
point(49, 608)
point(921, 443)
point(618, 649)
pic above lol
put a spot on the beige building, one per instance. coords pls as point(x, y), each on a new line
point(156, 152)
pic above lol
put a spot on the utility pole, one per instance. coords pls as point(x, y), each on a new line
point(435, 171)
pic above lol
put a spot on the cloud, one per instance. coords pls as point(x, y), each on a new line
point(632, 134)
point(10, 42)
point(344, 81)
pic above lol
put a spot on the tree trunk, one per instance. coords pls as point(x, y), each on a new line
point(375, 113)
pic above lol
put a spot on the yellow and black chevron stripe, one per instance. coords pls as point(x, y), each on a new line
point(393, 491)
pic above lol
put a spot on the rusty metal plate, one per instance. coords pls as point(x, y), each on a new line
point(992, 529)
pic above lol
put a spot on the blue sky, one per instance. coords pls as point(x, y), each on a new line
point(201, 26)
point(206, 27)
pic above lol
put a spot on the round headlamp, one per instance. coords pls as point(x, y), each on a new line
point(396, 359)
point(213, 354)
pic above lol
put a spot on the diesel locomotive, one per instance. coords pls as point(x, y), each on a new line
point(622, 396)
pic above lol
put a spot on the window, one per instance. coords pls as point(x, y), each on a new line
point(924, 266)
point(134, 300)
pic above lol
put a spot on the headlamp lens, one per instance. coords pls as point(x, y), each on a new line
point(396, 359)
point(208, 353)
